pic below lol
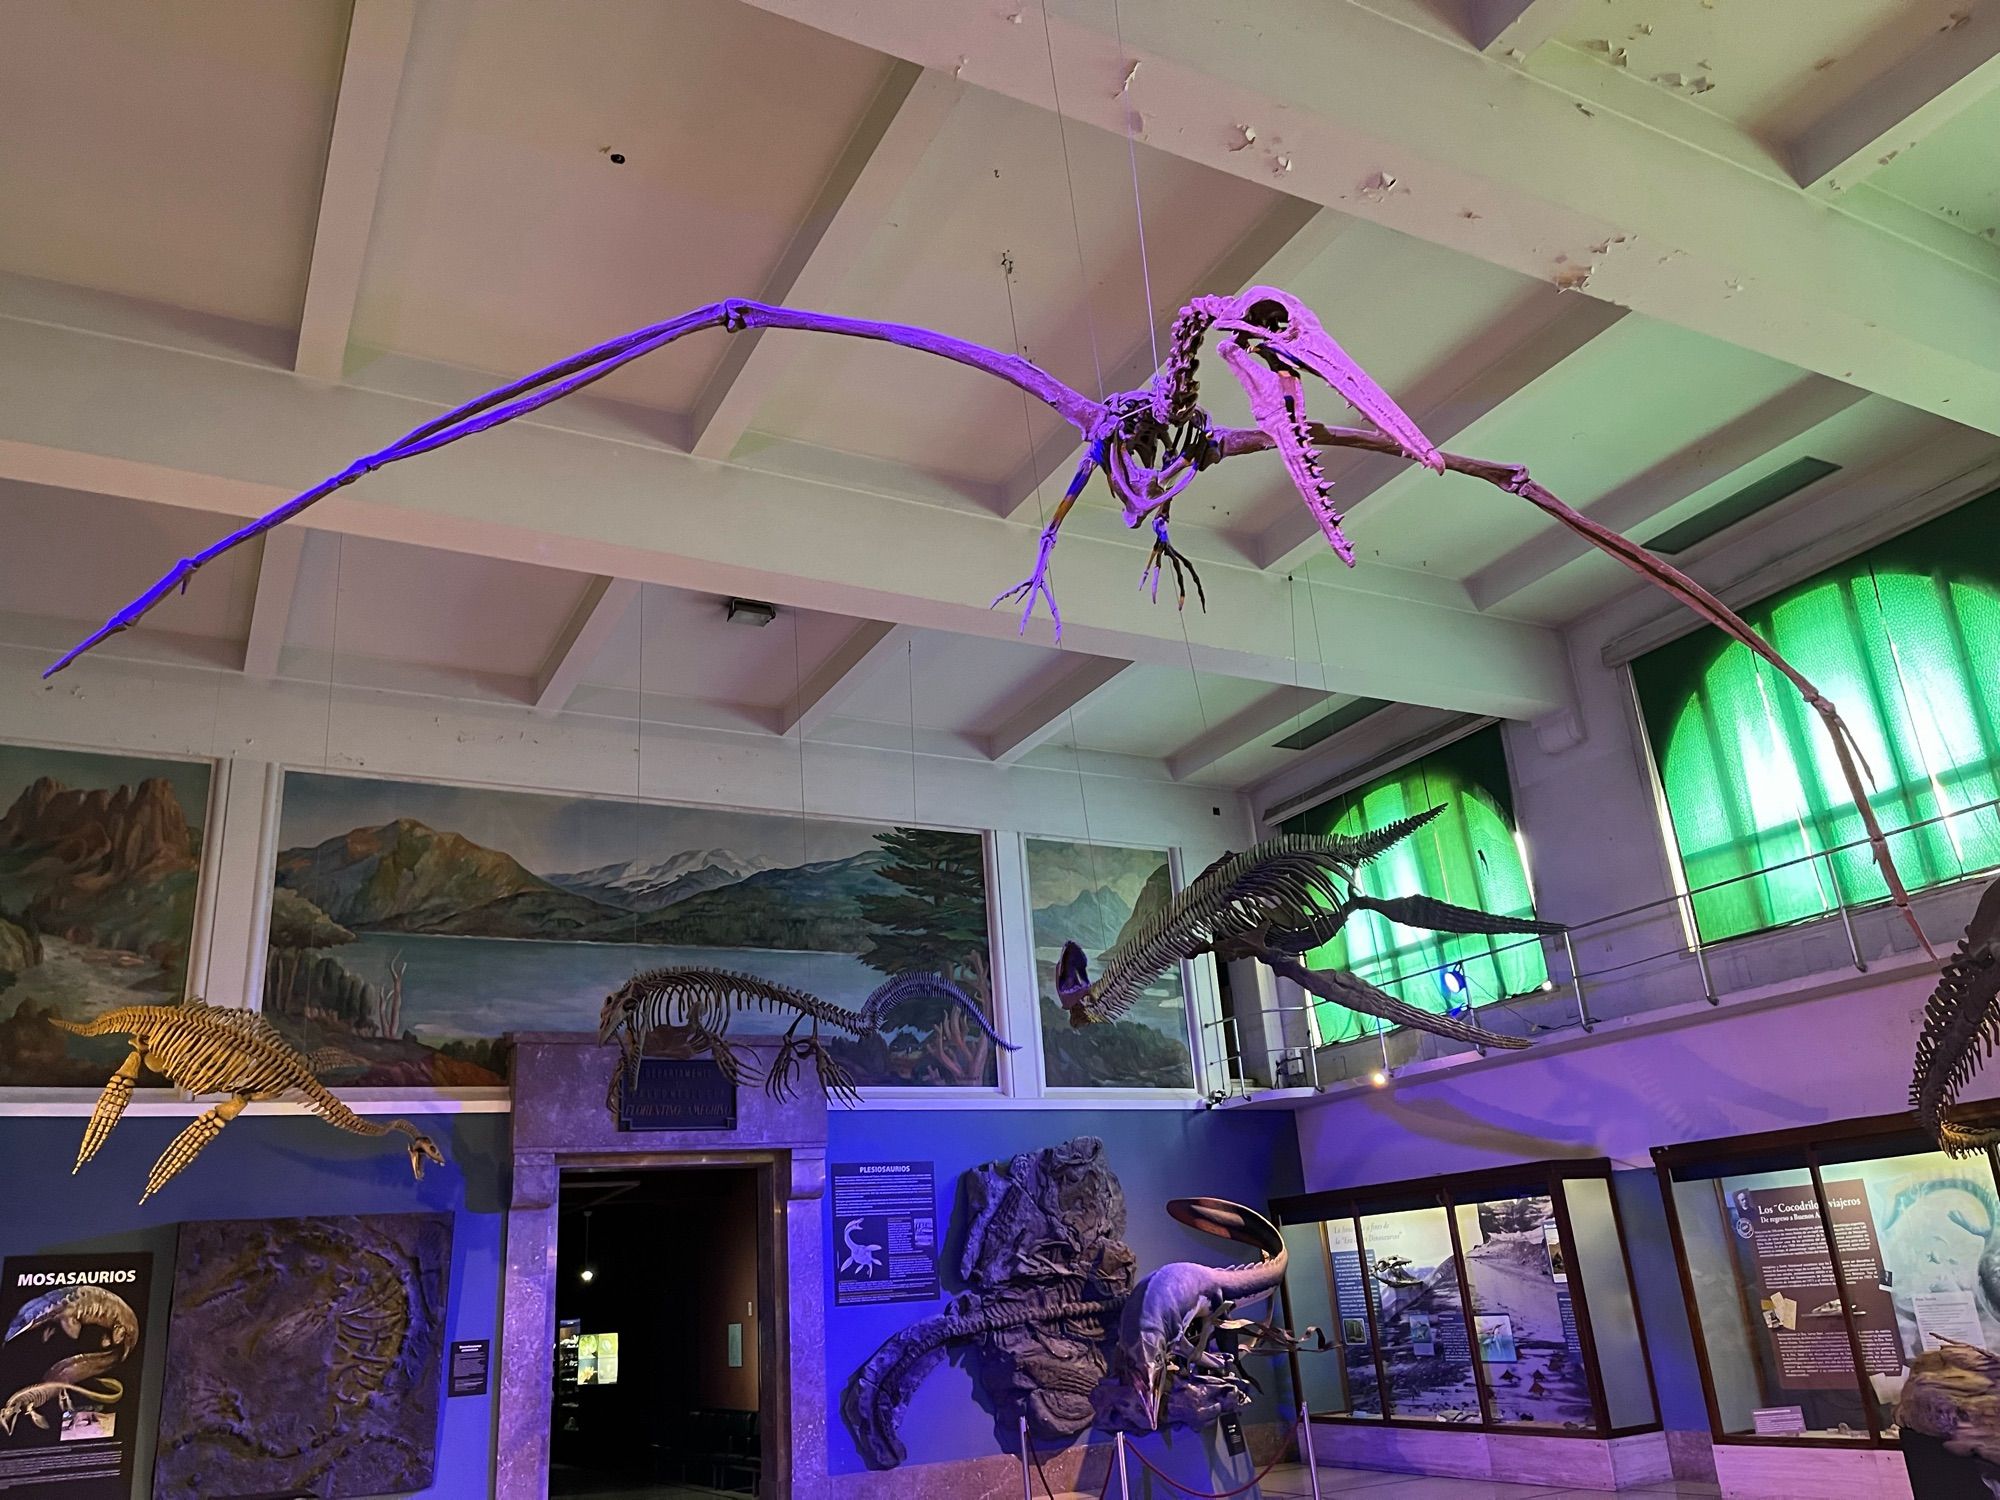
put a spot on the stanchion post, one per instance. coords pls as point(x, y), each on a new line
point(1027, 1479)
point(1124, 1480)
point(1306, 1447)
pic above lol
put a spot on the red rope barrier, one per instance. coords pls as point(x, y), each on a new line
point(1168, 1479)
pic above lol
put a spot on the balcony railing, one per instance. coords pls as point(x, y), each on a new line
point(1573, 1000)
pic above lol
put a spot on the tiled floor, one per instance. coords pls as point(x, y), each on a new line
point(1376, 1484)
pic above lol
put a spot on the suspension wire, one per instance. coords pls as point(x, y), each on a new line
point(333, 649)
point(1132, 158)
point(1075, 221)
point(639, 745)
point(1028, 439)
point(910, 681)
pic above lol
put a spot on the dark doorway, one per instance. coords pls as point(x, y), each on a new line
point(660, 1315)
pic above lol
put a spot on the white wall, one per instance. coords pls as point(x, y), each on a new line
point(252, 729)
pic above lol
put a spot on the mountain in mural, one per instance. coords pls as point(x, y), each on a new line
point(99, 864)
point(113, 868)
point(1088, 918)
point(406, 876)
point(649, 885)
point(816, 906)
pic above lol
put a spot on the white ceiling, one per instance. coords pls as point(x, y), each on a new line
point(1654, 248)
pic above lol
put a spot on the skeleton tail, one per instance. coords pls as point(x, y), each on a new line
point(81, 1367)
point(881, 1388)
point(903, 988)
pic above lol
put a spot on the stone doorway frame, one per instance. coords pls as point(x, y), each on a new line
point(560, 1121)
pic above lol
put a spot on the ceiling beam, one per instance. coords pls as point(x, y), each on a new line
point(378, 42)
point(1049, 708)
point(1267, 715)
point(1278, 247)
point(234, 438)
point(271, 610)
point(1514, 28)
point(1501, 164)
point(1527, 346)
point(884, 151)
point(604, 604)
point(1892, 112)
point(1758, 438)
point(871, 647)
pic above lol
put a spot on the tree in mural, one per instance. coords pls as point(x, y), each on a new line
point(935, 922)
point(936, 919)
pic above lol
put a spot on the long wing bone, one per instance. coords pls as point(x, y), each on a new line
point(1149, 443)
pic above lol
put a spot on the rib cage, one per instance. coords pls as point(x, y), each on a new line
point(1236, 897)
point(700, 1003)
point(208, 1049)
point(1961, 1029)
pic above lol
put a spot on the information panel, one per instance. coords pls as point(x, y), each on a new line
point(885, 1239)
point(1798, 1297)
point(69, 1374)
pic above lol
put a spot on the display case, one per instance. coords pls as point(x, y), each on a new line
point(1497, 1302)
point(1817, 1263)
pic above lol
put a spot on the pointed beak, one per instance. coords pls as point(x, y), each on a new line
point(1316, 353)
point(1286, 330)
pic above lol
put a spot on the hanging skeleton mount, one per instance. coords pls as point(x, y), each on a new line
point(1276, 902)
point(1961, 1026)
point(1150, 445)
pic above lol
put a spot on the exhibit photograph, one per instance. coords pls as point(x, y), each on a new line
point(1158, 751)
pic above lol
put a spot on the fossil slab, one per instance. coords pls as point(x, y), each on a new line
point(305, 1353)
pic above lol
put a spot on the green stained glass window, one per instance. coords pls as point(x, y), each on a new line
point(1466, 855)
point(1904, 640)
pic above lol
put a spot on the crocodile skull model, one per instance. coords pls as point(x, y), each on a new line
point(1274, 903)
point(1150, 444)
point(206, 1049)
point(1961, 1027)
point(694, 1007)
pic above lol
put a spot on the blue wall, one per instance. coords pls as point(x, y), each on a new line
point(1157, 1155)
point(265, 1167)
point(1656, 1280)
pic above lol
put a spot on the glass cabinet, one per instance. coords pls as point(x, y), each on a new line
point(1498, 1301)
point(1817, 1263)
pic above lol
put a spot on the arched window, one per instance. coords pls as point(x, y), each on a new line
point(1906, 641)
point(1467, 855)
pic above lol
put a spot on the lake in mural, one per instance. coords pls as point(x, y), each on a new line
point(412, 926)
point(100, 864)
point(1090, 894)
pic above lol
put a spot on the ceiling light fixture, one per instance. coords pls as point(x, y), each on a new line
point(750, 612)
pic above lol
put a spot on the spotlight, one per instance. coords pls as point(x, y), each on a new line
point(586, 1274)
point(750, 611)
point(1379, 1078)
point(1453, 980)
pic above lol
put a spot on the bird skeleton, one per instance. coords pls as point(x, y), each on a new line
point(1150, 445)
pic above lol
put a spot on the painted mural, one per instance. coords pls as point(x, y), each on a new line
point(100, 864)
point(1091, 894)
point(413, 926)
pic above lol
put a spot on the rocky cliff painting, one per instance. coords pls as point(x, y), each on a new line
point(413, 925)
point(305, 1354)
point(1092, 894)
point(100, 862)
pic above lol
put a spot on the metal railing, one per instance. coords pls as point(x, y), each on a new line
point(1681, 903)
